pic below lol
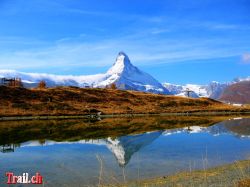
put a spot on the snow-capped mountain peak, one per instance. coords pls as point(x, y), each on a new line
point(127, 76)
point(123, 73)
point(121, 64)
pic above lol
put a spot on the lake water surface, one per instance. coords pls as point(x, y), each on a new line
point(67, 155)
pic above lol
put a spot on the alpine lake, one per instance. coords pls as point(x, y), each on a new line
point(90, 152)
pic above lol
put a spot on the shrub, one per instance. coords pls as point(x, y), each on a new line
point(42, 85)
point(113, 86)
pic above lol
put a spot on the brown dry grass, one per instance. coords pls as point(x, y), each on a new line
point(236, 174)
point(244, 183)
point(80, 101)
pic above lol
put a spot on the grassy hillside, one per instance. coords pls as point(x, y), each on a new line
point(80, 101)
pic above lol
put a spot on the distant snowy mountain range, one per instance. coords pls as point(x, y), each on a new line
point(127, 77)
point(214, 90)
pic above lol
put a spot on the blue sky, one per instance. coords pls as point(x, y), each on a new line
point(180, 41)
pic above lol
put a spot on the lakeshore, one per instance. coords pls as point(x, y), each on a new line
point(236, 174)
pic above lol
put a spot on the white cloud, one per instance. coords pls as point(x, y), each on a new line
point(246, 58)
point(159, 31)
point(75, 53)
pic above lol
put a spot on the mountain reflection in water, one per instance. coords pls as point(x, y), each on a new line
point(124, 147)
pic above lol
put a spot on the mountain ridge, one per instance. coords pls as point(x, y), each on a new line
point(126, 76)
point(238, 93)
point(123, 73)
point(235, 92)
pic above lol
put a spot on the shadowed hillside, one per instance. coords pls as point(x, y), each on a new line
point(237, 93)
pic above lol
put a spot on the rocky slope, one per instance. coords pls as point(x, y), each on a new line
point(237, 93)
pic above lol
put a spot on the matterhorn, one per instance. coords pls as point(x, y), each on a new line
point(123, 74)
point(128, 77)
